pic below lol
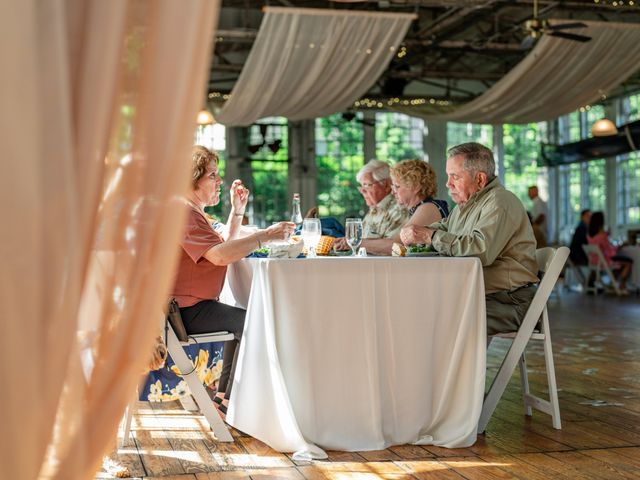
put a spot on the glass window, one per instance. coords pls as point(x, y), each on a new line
point(398, 137)
point(570, 128)
point(634, 107)
point(339, 157)
point(268, 149)
point(458, 133)
point(629, 189)
point(522, 167)
point(595, 185)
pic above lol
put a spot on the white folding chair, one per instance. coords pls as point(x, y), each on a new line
point(573, 274)
point(202, 399)
point(597, 265)
point(551, 262)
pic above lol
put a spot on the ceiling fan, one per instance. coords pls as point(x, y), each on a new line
point(536, 27)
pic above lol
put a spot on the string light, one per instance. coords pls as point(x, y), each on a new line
point(365, 103)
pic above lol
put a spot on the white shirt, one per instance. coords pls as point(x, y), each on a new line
point(540, 208)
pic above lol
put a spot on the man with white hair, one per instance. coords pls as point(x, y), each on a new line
point(385, 216)
point(490, 223)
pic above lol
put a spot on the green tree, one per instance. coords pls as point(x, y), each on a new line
point(398, 137)
point(339, 156)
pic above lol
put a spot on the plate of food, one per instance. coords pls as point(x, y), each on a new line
point(400, 250)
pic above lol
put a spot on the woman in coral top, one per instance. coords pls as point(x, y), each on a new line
point(620, 264)
point(204, 256)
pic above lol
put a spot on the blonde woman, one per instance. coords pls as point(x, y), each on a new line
point(414, 186)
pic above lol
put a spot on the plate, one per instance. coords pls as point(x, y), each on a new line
point(421, 254)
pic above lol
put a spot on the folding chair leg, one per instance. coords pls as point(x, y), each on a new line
point(197, 389)
point(126, 420)
point(551, 374)
point(524, 381)
point(502, 378)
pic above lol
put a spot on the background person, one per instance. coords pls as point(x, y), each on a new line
point(204, 256)
point(539, 211)
point(620, 264)
point(414, 186)
point(385, 216)
point(576, 252)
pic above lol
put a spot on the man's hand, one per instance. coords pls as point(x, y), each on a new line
point(341, 244)
point(414, 234)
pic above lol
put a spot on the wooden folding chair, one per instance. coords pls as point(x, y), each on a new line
point(598, 265)
point(202, 399)
point(550, 262)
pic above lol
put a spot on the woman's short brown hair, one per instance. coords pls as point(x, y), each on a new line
point(200, 158)
point(416, 173)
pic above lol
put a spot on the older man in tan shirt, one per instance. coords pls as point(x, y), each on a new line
point(385, 216)
point(490, 223)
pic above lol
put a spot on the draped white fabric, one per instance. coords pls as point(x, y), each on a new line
point(308, 63)
point(99, 106)
point(359, 353)
point(556, 78)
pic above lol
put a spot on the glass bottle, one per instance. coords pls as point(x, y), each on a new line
point(296, 215)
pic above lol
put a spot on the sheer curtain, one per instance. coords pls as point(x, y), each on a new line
point(308, 63)
point(556, 78)
point(99, 100)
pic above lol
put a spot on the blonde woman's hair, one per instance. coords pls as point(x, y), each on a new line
point(200, 158)
point(416, 173)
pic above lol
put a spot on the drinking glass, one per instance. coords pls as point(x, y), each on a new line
point(353, 233)
point(311, 232)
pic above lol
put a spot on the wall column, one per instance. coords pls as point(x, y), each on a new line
point(302, 163)
point(435, 147)
point(369, 136)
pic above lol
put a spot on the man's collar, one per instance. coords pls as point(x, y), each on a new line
point(382, 204)
point(480, 193)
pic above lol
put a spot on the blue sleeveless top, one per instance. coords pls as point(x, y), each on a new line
point(441, 205)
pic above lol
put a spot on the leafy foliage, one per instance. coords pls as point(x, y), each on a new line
point(339, 156)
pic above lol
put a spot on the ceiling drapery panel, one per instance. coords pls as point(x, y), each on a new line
point(556, 78)
point(308, 63)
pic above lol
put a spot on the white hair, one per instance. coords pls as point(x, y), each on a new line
point(378, 170)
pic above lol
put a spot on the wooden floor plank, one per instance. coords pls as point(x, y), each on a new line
point(429, 470)
point(598, 374)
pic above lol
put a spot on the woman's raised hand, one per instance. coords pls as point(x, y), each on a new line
point(239, 196)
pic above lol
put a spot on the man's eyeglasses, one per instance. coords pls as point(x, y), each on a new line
point(367, 186)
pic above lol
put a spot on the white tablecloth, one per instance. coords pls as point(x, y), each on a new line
point(359, 353)
point(633, 252)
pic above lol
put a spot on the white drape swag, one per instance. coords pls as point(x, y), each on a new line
point(308, 63)
point(99, 106)
point(558, 77)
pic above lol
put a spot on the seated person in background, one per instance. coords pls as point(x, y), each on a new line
point(413, 183)
point(539, 211)
point(490, 223)
point(620, 264)
point(385, 216)
point(576, 252)
point(204, 256)
point(541, 241)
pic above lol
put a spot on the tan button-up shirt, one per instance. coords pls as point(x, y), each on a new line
point(385, 219)
point(493, 226)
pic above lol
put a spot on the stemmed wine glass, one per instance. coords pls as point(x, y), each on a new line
point(353, 233)
point(311, 232)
